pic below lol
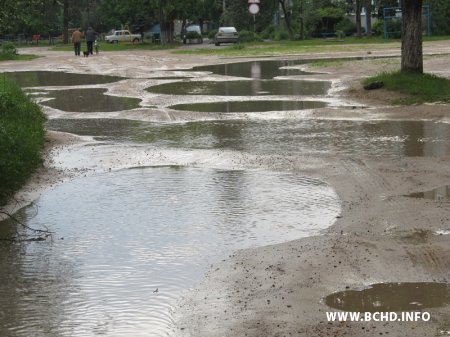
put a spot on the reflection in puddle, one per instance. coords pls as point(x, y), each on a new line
point(243, 88)
point(170, 78)
point(383, 297)
point(89, 100)
point(128, 233)
point(249, 106)
point(100, 128)
point(381, 138)
point(441, 194)
point(55, 78)
point(255, 69)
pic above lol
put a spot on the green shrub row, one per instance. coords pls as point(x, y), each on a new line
point(8, 52)
point(21, 138)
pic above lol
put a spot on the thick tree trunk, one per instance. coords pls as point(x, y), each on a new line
point(369, 17)
point(66, 22)
point(287, 18)
point(412, 57)
point(358, 17)
point(302, 22)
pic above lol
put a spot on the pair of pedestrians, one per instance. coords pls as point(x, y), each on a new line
point(90, 35)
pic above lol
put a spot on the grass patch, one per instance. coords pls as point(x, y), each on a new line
point(106, 47)
point(19, 57)
point(277, 48)
point(270, 48)
point(21, 138)
point(9, 52)
point(326, 63)
point(420, 88)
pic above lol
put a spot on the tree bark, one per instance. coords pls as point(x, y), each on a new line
point(412, 56)
point(287, 18)
point(66, 22)
point(369, 17)
point(358, 17)
point(302, 22)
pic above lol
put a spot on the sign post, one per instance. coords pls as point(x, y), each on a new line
point(253, 8)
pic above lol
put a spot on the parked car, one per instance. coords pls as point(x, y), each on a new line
point(122, 36)
point(192, 32)
point(226, 35)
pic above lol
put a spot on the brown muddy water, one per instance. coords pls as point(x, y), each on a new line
point(57, 78)
point(128, 243)
point(243, 88)
point(386, 297)
point(88, 100)
point(249, 106)
point(286, 136)
point(256, 69)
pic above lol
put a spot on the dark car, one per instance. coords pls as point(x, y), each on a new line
point(226, 35)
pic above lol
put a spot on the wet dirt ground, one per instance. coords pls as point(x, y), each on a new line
point(381, 236)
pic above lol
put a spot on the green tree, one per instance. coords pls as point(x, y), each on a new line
point(440, 13)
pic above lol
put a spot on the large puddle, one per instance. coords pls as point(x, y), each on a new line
point(129, 242)
point(256, 69)
point(387, 297)
point(89, 100)
point(57, 78)
point(249, 106)
point(441, 194)
point(243, 88)
point(287, 136)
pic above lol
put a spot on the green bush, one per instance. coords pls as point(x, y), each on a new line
point(212, 33)
point(347, 26)
point(21, 138)
point(281, 35)
point(247, 36)
point(378, 28)
point(394, 27)
point(193, 35)
point(268, 33)
point(8, 51)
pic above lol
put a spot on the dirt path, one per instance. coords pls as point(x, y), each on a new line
point(381, 236)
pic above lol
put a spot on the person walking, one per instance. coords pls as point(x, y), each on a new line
point(77, 36)
point(90, 38)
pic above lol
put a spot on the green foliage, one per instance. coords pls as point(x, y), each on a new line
point(347, 26)
point(340, 34)
point(326, 19)
point(247, 36)
point(193, 35)
point(269, 32)
point(281, 35)
point(420, 88)
point(237, 15)
point(21, 138)
point(394, 28)
point(378, 28)
point(308, 18)
point(238, 46)
point(273, 33)
point(8, 52)
point(440, 16)
point(212, 33)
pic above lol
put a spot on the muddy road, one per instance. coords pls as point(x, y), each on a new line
point(207, 196)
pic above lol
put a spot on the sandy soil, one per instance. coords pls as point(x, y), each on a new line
point(380, 236)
